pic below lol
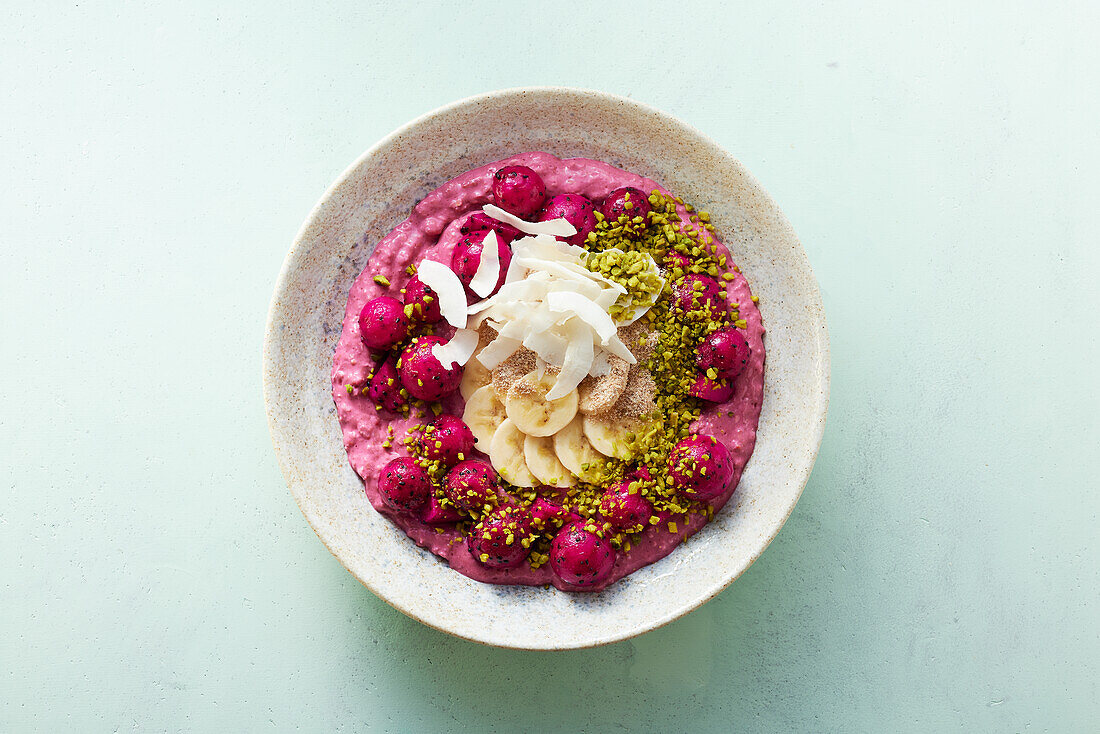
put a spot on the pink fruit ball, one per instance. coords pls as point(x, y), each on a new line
point(385, 388)
point(625, 511)
point(677, 260)
point(629, 202)
point(546, 511)
point(715, 391)
point(481, 222)
point(518, 190)
point(502, 538)
point(726, 350)
point(581, 558)
point(436, 514)
point(696, 292)
point(701, 467)
point(423, 375)
point(424, 301)
point(467, 256)
point(382, 323)
point(448, 440)
point(404, 485)
point(471, 485)
point(575, 209)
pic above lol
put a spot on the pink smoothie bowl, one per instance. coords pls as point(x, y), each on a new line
point(374, 195)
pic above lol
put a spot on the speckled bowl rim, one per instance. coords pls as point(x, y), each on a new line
point(282, 439)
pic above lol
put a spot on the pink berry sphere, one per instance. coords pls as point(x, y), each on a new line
point(726, 351)
point(575, 209)
point(467, 257)
point(502, 539)
point(423, 375)
point(518, 190)
point(424, 301)
point(448, 440)
point(436, 514)
point(696, 292)
point(629, 202)
point(677, 260)
point(625, 511)
point(714, 391)
point(581, 558)
point(404, 485)
point(701, 467)
point(385, 388)
point(471, 485)
point(382, 323)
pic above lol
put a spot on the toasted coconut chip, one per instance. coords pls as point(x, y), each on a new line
point(488, 266)
point(554, 227)
point(452, 296)
point(458, 350)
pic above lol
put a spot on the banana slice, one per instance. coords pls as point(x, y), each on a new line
point(528, 408)
point(474, 376)
point(612, 437)
point(510, 370)
point(598, 395)
point(543, 462)
point(483, 414)
point(576, 453)
point(506, 453)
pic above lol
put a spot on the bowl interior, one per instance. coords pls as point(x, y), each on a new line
point(374, 195)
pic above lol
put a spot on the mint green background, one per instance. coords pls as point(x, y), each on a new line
point(940, 165)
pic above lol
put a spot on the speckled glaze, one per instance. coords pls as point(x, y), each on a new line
point(374, 195)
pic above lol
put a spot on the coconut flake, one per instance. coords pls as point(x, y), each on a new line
point(548, 345)
point(588, 310)
point(578, 359)
point(554, 227)
point(458, 350)
point(497, 351)
point(488, 266)
point(452, 296)
point(616, 348)
point(601, 364)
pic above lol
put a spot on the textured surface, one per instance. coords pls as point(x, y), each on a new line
point(938, 574)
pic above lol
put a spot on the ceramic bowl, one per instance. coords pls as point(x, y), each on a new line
point(374, 195)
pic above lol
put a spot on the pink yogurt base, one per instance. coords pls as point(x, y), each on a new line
point(431, 232)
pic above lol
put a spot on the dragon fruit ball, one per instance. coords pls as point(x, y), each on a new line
point(715, 390)
point(471, 485)
point(423, 375)
point(726, 351)
point(424, 301)
point(382, 323)
point(518, 190)
point(449, 440)
point(404, 485)
point(676, 259)
point(467, 256)
point(436, 514)
point(579, 557)
point(696, 292)
point(544, 511)
point(502, 539)
point(385, 388)
point(481, 222)
point(576, 209)
point(700, 466)
point(629, 202)
point(625, 511)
